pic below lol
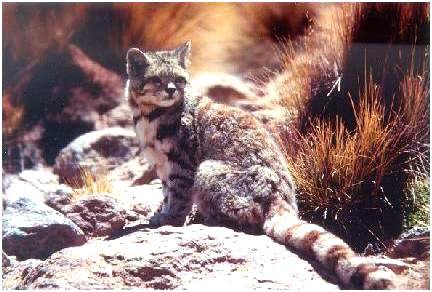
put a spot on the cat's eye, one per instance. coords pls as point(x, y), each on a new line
point(141, 86)
point(156, 81)
point(180, 81)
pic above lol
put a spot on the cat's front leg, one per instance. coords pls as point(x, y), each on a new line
point(174, 209)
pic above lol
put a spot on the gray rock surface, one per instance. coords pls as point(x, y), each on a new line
point(137, 171)
point(96, 215)
point(120, 116)
point(13, 274)
point(98, 151)
point(39, 184)
point(412, 243)
point(17, 188)
point(31, 229)
point(141, 201)
point(193, 257)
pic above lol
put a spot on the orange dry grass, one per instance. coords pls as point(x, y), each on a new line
point(351, 181)
point(306, 61)
point(89, 183)
point(333, 164)
point(156, 26)
point(12, 116)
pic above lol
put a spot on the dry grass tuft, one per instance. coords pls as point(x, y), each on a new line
point(354, 150)
point(12, 116)
point(89, 183)
point(352, 181)
point(307, 66)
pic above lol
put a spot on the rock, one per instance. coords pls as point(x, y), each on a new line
point(224, 88)
point(120, 116)
point(59, 198)
point(57, 110)
point(17, 188)
point(6, 261)
point(36, 184)
point(95, 215)
point(17, 270)
point(98, 151)
point(33, 230)
point(412, 243)
point(137, 171)
point(39, 177)
point(23, 151)
point(175, 258)
point(140, 201)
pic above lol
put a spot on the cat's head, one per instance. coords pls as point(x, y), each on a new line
point(158, 78)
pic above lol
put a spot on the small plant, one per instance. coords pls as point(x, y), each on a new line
point(417, 203)
point(89, 183)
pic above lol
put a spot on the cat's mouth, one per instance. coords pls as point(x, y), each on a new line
point(161, 99)
point(164, 102)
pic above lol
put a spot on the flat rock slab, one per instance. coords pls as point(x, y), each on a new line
point(31, 229)
point(173, 258)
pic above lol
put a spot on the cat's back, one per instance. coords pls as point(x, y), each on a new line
point(231, 133)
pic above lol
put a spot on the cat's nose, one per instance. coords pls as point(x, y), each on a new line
point(170, 89)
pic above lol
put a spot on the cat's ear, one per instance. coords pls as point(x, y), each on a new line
point(137, 62)
point(183, 54)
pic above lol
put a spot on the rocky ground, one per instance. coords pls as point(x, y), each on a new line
point(50, 229)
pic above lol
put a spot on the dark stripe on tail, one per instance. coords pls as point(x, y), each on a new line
point(359, 276)
point(335, 256)
point(309, 240)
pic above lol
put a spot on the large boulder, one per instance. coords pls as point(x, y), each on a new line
point(31, 229)
point(106, 214)
point(98, 152)
point(224, 88)
point(192, 257)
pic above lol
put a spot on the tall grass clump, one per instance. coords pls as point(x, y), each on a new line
point(357, 149)
point(353, 181)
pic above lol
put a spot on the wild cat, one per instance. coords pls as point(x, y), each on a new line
point(223, 161)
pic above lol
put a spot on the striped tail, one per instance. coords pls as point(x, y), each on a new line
point(331, 252)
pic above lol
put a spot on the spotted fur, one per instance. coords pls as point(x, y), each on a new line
point(223, 161)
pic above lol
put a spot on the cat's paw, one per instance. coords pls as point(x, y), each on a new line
point(161, 219)
point(194, 217)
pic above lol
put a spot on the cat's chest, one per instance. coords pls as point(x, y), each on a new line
point(154, 150)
